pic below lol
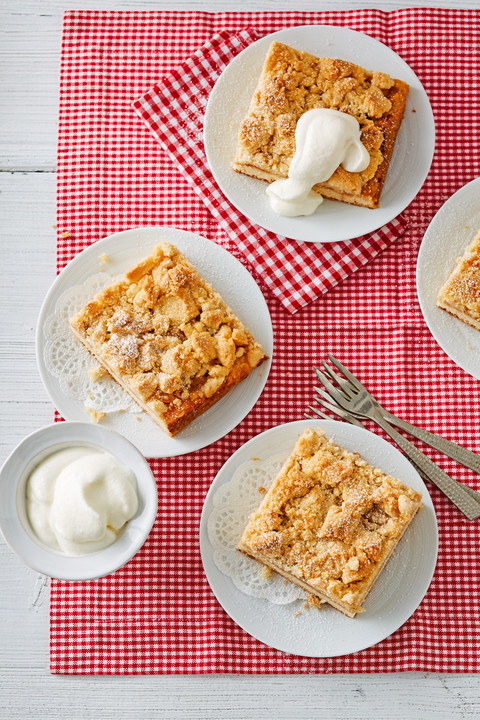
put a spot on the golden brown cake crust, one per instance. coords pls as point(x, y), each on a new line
point(330, 521)
point(168, 338)
point(460, 296)
point(293, 82)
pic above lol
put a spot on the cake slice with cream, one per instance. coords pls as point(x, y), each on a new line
point(291, 84)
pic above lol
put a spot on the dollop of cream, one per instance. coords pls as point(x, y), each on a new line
point(324, 139)
point(79, 499)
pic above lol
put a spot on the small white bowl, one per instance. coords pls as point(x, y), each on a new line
point(13, 516)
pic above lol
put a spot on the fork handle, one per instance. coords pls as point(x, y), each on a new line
point(461, 454)
point(460, 495)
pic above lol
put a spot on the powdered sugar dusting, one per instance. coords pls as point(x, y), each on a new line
point(67, 359)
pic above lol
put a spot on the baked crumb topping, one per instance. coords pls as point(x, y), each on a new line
point(95, 415)
point(168, 337)
point(293, 82)
point(330, 520)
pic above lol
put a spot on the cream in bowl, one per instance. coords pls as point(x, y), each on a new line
point(77, 501)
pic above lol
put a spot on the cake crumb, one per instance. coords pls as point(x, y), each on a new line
point(97, 373)
point(261, 490)
point(296, 614)
point(314, 601)
point(65, 234)
point(266, 572)
point(95, 415)
point(103, 259)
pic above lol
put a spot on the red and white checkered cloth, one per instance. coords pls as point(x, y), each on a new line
point(158, 614)
point(296, 273)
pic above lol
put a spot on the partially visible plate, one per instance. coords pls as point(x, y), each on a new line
point(237, 287)
point(447, 236)
point(333, 221)
point(396, 594)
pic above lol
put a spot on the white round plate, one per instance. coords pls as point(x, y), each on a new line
point(396, 594)
point(333, 221)
point(234, 283)
point(447, 236)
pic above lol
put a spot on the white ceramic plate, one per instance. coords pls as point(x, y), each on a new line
point(233, 282)
point(333, 221)
point(396, 594)
point(447, 236)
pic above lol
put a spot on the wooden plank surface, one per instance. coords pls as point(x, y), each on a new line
point(30, 34)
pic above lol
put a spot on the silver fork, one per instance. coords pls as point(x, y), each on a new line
point(353, 387)
point(353, 420)
point(351, 396)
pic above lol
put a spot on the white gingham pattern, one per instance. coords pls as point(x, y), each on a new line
point(158, 614)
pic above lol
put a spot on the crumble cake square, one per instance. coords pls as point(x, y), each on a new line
point(460, 295)
point(293, 82)
point(168, 338)
point(329, 522)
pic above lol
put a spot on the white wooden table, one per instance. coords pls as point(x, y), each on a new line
point(30, 34)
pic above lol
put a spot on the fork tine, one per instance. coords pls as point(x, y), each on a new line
point(331, 374)
point(341, 381)
point(329, 371)
point(324, 394)
point(346, 372)
point(321, 375)
point(317, 412)
point(334, 393)
point(343, 414)
point(326, 401)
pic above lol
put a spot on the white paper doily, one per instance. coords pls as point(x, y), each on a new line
point(69, 361)
point(233, 504)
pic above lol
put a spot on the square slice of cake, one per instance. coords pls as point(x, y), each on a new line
point(168, 338)
point(329, 522)
point(293, 82)
point(460, 296)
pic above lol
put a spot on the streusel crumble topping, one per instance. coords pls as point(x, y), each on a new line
point(168, 337)
point(293, 82)
point(330, 520)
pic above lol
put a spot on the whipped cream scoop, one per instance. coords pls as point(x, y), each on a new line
point(79, 499)
point(324, 139)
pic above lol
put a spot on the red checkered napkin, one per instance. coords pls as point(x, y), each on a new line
point(296, 273)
